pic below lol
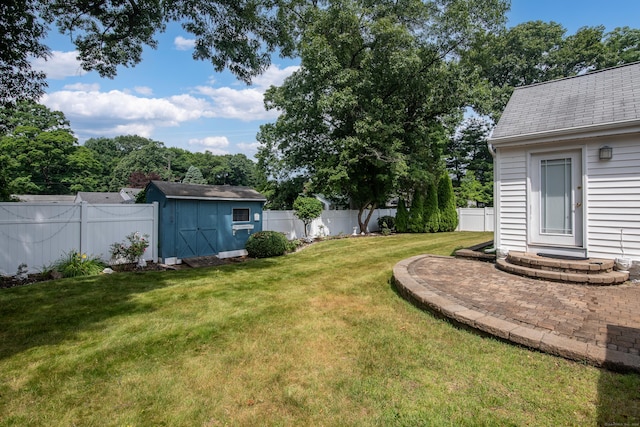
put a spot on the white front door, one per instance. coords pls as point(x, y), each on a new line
point(556, 199)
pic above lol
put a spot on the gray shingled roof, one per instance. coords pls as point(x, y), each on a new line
point(96, 198)
point(588, 101)
point(177, 190)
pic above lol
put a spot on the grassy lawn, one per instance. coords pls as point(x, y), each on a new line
point(314, 338)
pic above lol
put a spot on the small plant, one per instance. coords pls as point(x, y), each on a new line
point(387, 222)
point(74, 264)
point(293, 245)
point(132, 249)
point(265, 244)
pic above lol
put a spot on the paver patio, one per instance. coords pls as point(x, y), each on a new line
point(596, 324)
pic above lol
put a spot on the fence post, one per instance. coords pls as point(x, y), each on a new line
point(84, 233)
point(154, 250)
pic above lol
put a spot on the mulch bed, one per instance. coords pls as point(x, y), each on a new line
point(13, 281)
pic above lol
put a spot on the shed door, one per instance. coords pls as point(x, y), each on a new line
point(196, 228)
point(556, 199)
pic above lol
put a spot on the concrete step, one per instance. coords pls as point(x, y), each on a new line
point(587, 266)
point(475, 255)
point(589, 278)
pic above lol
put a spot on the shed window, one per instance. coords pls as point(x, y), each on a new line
point(240, 214)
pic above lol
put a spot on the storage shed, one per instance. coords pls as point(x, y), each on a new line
point(204, 220)
point(567, 167)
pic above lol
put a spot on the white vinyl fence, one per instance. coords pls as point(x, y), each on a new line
point(333, 223)
point(475, 219)
point(38, 234)
point(330, 223)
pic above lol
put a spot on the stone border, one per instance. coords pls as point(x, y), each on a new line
point(420, 293)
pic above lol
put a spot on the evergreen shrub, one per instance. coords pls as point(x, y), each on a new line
point(430, 213)
point(402, 217)
point(266, 244)
point(447, 205)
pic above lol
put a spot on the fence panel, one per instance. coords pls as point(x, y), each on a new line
point(38, 234)
point(475, 219)
point(330, 223)
point(333, 223)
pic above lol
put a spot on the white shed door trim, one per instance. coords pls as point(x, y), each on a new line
point(556, 213)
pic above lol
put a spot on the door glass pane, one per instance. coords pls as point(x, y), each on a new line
point(555, 196)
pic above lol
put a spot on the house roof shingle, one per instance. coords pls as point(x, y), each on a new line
point(96, 198)
point(601, 98)
point(177, 190)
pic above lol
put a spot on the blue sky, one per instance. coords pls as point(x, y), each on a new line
point(171, 98)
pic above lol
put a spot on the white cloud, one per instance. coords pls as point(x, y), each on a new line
point(211, 141)
point(213, 144)
point(243, 104)
point(183, 44)
point(83, 87)
point(110, 113)
point(273, 76)
point(250, 149)
point(143, 90)
point(60, 65)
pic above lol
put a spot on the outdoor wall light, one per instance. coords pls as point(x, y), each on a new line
point(605, 153)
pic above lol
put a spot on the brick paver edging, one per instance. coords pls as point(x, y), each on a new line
point(418, 291)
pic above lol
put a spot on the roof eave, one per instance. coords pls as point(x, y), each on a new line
point(581, 132)
point(217, 199)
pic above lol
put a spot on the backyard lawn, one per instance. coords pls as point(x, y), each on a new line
point(315, 338)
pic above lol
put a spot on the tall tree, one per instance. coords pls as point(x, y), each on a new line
point(22, 32)
point(40, 155)
point(147, 159)
point(238, 35)
point(537, 51)
point(375, 79)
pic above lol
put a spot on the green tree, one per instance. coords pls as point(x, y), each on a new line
point(41, 165)
point(471, 190)
point(147, 159)
point(622, 46)
point(431, 211)
point(467, 151)
point(402, 217)
point(306, 209)
point(447, 205)
point(194, 176)
point(236, 35)
point(281, 194)
point(375, 80)
point(22, 33)
point(415, 222)
point(40, 155)
point(537, 51)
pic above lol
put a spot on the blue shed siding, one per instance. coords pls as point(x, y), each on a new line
point(191, 228)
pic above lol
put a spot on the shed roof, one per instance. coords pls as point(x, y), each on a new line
point(177, 190)
point(602, 99)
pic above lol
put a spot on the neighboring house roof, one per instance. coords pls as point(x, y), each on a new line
point(177, 190)
point(96, 198)
point(600, 100)
point(43, 198)
point(129, 194)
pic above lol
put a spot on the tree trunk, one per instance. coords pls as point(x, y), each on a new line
point(364, 224)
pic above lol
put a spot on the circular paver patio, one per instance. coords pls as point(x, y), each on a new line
point(596, 324)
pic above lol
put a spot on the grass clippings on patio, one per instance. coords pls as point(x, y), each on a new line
point(318, 337)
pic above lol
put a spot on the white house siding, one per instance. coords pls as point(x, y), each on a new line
point(613, 199)
point(512, 190)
